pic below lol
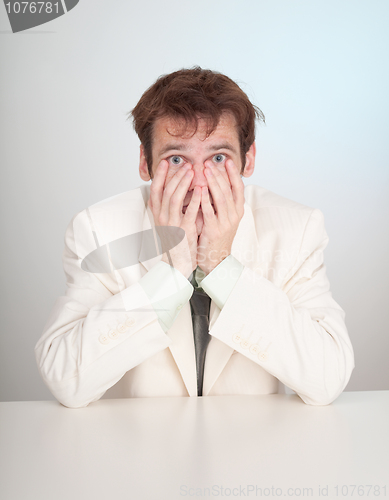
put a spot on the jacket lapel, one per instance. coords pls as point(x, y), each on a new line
point(182, 348)
point(217, 355)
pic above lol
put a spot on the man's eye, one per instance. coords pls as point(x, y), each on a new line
point(219, 158)
point(176, 160)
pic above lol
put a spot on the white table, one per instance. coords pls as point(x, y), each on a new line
point(176, 448)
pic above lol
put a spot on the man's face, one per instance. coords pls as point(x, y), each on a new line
point(199, 151)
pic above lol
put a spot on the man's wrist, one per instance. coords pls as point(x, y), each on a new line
point(212, 262)
point(184, 268)
point(167, 291)
point(220, 282)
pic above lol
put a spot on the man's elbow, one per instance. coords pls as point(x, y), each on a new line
point(330, 389)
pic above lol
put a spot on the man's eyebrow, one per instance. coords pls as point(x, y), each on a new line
point(222, 145)
point(173, 147)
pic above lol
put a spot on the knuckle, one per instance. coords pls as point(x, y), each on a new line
point(174, 200)
point(166, 191)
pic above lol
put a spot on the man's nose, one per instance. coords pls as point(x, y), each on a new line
point(199, 178)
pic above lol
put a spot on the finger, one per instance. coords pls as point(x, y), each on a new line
point(234, 195)
point(219, 199)
point(177, 198)
point(222, 181)
point(236, 184)
point(193, 207)
point(157, 184)
point(226, 189)
point(206, 206)
point(170, 189)
point(233, 191)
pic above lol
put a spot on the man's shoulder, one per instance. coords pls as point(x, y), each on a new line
point(112, 217)
point(274, 224)
point(274, 213)
point(258, 198)
point(134, 198)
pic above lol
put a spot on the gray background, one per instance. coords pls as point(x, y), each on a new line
point(318, 70)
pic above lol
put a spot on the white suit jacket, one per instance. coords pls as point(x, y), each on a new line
point(280, 325)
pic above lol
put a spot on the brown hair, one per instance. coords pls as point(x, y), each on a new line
point(190, 94)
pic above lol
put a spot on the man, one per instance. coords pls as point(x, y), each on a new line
point(131, 320)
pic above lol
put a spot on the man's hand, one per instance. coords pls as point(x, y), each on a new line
point(221, 224)
point(166, 202)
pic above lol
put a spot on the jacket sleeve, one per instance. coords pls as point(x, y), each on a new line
point(93, 337)
point(296, 332)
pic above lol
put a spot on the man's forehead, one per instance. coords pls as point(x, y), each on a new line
point(172, 127)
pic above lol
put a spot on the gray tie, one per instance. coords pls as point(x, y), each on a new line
point(200, 304)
